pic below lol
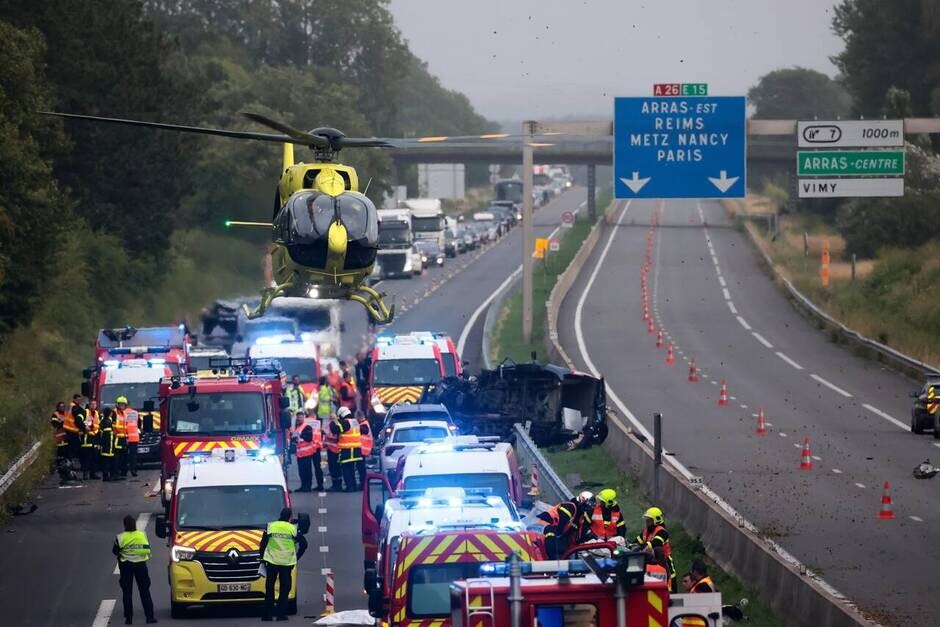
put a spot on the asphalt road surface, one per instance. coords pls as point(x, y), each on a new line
point(716, 304)
point(56, 566)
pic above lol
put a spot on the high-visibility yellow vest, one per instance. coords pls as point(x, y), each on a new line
point(134, 546)
point(282, 544)
point(324, 402)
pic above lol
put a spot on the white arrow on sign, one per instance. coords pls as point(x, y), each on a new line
point(636, 183)
point(723, 183)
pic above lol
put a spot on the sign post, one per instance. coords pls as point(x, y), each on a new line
point(567, 219)
point(680, 147)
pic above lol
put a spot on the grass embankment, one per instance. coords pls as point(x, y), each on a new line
point(597, 465)
point(893, 299)
point(507, 340)
point(42, 363)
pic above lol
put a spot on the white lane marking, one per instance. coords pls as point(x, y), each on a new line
point(887, 417)
point(860, 485)
point(789, 361)
point(837, 471)
point(937, 444)
point(916, 518)
point(732, 308)
point(143, 520)
point(831, 386)
point(105, 609)
point(744, 323)
point(324, 548)
point(768, 423)
point(797, 444)
point(721, 280)
point(321, 510)
point(322, 495)
point(782, 434)
point(714, 382)
point(817, 458)
point(726, 293)
point(117, 570)
point(321, 529)
point(760, 338)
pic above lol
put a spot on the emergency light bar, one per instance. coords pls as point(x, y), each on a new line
point(138, 350)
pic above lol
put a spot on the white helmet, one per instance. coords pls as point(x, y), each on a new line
point(586, 497)
point(343, 412)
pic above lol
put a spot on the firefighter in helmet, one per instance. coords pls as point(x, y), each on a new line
point(655, 539)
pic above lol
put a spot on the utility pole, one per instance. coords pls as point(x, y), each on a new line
point(528, 232)
point(592, 192)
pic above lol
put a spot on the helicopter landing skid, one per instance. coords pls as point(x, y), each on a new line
point(268, 294)
point(372, 301)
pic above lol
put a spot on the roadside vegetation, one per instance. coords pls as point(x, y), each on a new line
point(594, 469)
point(507, 335)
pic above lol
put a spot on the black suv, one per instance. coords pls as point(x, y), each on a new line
point(924, 414)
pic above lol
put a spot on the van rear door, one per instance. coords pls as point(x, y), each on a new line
point(377, 491)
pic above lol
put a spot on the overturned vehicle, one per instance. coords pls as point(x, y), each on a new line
point(561, 406)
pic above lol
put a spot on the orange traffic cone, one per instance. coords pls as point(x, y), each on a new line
point(670, 357)
point(887, 511)
point(693, 372)
point(659, 339)
point(650, 327)
point(723, 393)
point(806, 462)
point(761, 422)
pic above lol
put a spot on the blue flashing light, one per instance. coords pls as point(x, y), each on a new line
point(455, 501)
point(190, 380)
point(424, 502)
point(266, 452)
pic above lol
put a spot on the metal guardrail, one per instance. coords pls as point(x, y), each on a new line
point(551, 488)
point(903, 362)
point(19, 466)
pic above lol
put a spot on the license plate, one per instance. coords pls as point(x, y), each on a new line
point(143, 449)
point(234, 587)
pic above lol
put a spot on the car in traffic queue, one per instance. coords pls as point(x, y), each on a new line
point(454, 244)
point(430, 538)
point(236, 405)
point(509, 208)
point(470, 240)
point(432, 255)
point(402, 366)
point(138, 380)
point(406, 411)
point(402, 435)
point(218, 511)
point(924, 412)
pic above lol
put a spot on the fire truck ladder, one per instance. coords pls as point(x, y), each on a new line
point(480, 611)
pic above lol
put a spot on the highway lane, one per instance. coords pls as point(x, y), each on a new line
point(61, 555)
point(726, 313)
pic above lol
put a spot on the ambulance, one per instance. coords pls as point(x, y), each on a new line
point(432, 538)
point(453, 367)
point(402, 367)
point(220, 506)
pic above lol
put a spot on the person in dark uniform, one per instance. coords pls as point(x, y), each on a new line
point(106, 445)
point(346, 428)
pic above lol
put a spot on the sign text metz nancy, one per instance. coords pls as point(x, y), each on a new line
point(679, 147)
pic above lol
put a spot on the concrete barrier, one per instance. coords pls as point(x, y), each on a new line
point(798, 595)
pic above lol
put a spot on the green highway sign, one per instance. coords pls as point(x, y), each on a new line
point(850, 163)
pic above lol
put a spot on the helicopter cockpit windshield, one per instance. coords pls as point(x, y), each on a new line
point(311, 213)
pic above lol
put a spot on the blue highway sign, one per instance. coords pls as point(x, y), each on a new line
point(680, 147)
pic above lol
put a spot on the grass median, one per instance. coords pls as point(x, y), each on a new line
point(507, 340)
point(594, 469)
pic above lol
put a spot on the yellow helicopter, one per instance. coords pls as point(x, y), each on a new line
point(325, 232)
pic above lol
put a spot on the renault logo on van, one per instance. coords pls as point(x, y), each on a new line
point(232, 557)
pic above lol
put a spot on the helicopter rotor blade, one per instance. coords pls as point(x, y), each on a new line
point(268, 137)
point(298, 135)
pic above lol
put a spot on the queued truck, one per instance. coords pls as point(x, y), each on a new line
point(427, 219)
point(237, 404)
point(395, 255)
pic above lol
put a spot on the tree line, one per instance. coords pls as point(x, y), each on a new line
point(890, 67)
point(113, 199)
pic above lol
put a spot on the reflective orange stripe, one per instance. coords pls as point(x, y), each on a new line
point(365, 439)
point(350, 438)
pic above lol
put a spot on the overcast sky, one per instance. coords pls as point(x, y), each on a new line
point(520, 59)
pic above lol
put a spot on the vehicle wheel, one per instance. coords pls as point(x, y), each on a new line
point(292, 606)
point(915, 425)
point(177, 610)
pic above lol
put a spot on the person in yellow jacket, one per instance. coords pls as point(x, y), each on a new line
point(121, 414)
point(346, 428)
point(88, 440)
point(365, 441)
point(133, 552)
point(59, 416)
point(281, 547)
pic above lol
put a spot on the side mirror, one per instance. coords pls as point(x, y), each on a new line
point(87, 373)
point(161, 526)
point(149, 406)
point(283, 402)
point(303, 523)
point(285, 420)
point(376, 599)
point(379, 511)
point(86, 389)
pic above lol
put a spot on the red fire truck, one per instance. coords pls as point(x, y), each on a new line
point(621, 591)
point(236, 404)
point(168, 343)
